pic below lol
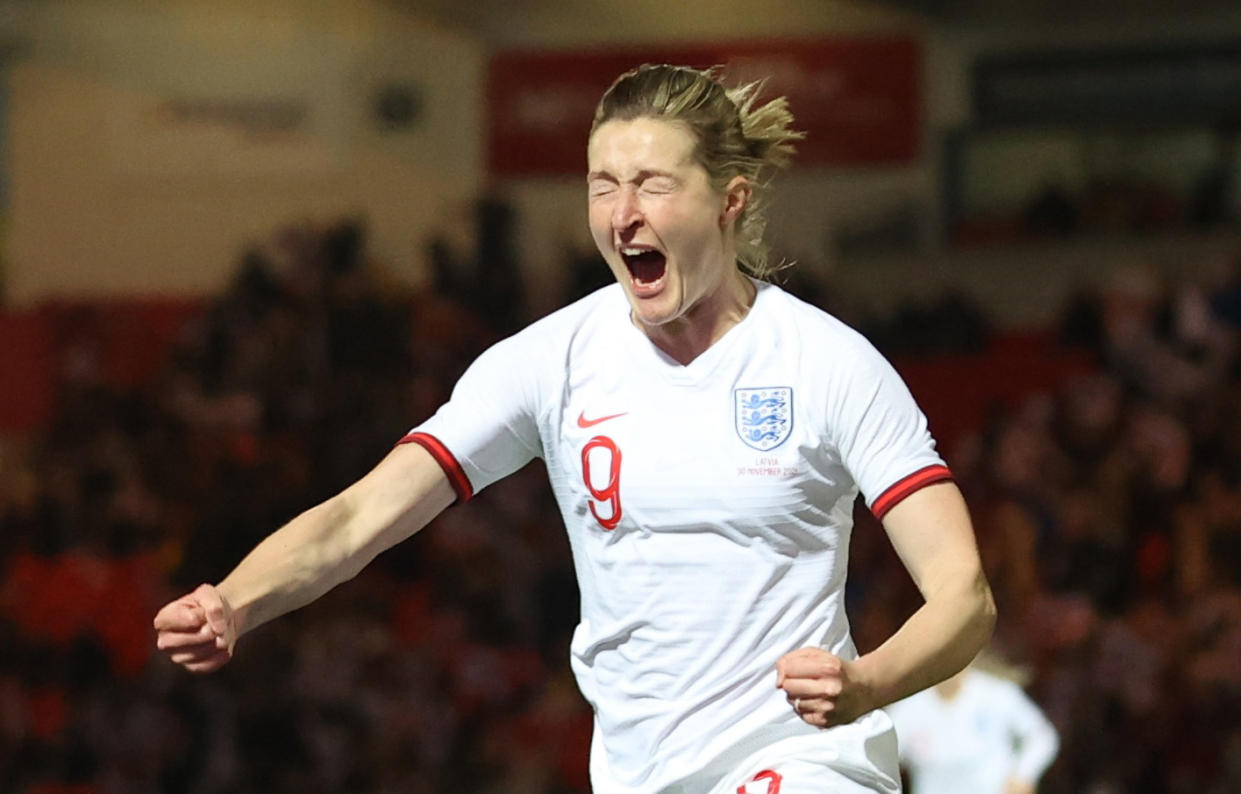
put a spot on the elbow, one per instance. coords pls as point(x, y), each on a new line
point(985, 610)
point(974, 606)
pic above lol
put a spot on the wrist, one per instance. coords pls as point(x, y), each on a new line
point(868, 676)
point(234, 615)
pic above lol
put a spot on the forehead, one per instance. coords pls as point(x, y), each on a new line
point(642, 144)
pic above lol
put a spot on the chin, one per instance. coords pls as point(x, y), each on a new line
point(654, 316)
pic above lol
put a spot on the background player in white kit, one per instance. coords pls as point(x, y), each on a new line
point(706, 435)
point(975, 733)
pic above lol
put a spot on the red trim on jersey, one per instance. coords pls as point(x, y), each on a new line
point(456, 475)
point(773, 782)
point(908, 485)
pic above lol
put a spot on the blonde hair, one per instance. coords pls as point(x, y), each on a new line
point(735, 137)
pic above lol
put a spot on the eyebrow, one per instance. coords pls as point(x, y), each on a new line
point(644, 174)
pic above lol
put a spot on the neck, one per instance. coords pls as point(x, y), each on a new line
point(689, 336)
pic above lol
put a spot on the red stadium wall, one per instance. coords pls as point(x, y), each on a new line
point(123, 341)
point(26, 382)
point(956, 392)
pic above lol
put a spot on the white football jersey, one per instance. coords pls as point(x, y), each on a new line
point(709, 510)
point(988, 733)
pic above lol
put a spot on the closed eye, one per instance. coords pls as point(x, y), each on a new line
point(600, 187)
point(658, 184)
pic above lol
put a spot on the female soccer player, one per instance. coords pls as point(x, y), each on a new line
point(706, 435)
point(977, 731)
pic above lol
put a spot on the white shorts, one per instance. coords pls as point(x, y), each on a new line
point(857, 759)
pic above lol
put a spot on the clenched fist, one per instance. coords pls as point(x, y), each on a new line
point(822, 687)
point(196, 630)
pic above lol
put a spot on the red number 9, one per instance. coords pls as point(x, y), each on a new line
point(611, 492)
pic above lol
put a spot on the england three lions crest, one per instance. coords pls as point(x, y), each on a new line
point(763, 417)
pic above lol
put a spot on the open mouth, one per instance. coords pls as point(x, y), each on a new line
point(646, 266)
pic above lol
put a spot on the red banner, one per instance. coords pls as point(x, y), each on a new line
point(124, 341)
point(857, 99)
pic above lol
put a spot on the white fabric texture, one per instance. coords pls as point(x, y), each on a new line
point(708, 506)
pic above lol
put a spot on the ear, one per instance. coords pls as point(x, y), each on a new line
point(736, 197)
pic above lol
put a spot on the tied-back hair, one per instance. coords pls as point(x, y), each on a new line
point(735, 135)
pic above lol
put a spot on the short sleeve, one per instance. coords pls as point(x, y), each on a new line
point(488, 429)
point(881, 433)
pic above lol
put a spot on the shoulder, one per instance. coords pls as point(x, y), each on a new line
point(576, 314)
point(549, 336)
point(530, 364)
point(821, 335)
point(827, 352)
point(991, 686)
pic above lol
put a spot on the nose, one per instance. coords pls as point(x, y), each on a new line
point(625, 212)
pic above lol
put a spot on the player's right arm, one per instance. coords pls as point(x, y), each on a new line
point(321, 548)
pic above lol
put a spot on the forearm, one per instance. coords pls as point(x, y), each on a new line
point(329, 544)
point(292, 567)
point(932, 534)
point(938, 640)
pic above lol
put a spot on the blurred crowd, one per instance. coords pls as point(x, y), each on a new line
point(1110, 524)
point(1123, 202)
point(1108, 513)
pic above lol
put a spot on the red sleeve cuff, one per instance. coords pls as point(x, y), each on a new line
point(456, 475)
point(908, 485)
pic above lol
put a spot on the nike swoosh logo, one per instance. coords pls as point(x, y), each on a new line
point(582, 421)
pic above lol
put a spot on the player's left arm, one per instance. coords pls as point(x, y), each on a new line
point(1037, 743)
point(931, 532)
